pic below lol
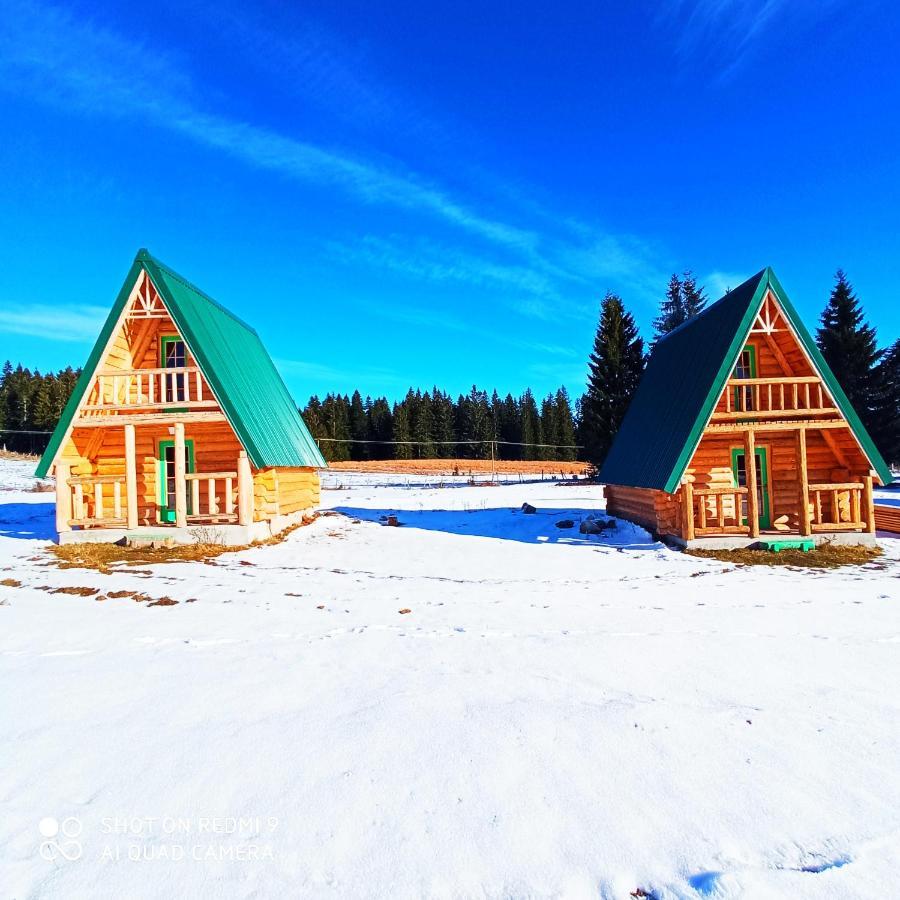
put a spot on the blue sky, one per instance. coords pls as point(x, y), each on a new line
point(401, 194)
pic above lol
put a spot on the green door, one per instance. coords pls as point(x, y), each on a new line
point(739, 467)
point(167, 478)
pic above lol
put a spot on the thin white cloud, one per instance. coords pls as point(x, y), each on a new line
point(717, 283)
point(53, 323)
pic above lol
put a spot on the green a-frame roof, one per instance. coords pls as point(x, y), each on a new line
point(684, 379)
point(233, 361)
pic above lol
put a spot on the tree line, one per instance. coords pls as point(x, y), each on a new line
point(475, 425)
point(433, 425)
point(32, 402)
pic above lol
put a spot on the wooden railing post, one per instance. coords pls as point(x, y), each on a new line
point(63, 497)
point(868, 504)
point(750, 469)
point(805, 523)
point(687, 495)
point(180, 482)
point(131, 477)
point(245, 490)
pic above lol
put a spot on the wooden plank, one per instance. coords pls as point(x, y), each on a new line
point(868, 505)
point(180, 483)
point(245, 489)
point(805, 523)
point(151, 419)
point(757, 412)
point(63, 496)
point(687, 495)
point(782, 359)
point(131, 476)
point(775, 425)
point(752, 495)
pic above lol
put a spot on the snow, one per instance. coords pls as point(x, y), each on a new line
point(558, 714)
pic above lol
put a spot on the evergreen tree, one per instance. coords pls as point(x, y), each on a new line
point(510, 429)
point(848, 344)
point(885, 429)
point(442, 420)
point(672, 311)
point(531, 426)
point(694, 296)
point(565, 427)
point(615, 368)
point(336, 422)
point(359, 427)
point(402, 432)
point(421, 425)
point(381, 429)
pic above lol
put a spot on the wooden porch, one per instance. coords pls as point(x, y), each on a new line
point(112, 500)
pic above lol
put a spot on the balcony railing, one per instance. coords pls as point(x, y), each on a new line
point(837, 507)
point(205, 506)
point(723, 507)
point(97, 500)
point(141, 389)
point(802, 396)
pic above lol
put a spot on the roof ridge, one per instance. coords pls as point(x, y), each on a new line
point(145, 255)
point(760, 274)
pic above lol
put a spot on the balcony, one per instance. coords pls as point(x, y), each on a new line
point(761, 398)
point(142, 390)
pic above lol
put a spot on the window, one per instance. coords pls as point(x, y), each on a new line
point(174, 356)
point(744, 368)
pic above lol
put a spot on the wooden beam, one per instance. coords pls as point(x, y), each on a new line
point(63, 496)
point(836, 450)
point(687, 496)
point(149, 419)
point(245, 489)
point(805, 521)
point(738, 427)
point(131, 477)
point(752, 495)
point(753, 413)
point(778, 354)
point(180, 482)
point(868, 503)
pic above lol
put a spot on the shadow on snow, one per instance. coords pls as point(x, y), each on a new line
point(512, 525)
point(28, 521)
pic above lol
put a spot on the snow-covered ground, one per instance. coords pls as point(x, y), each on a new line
point(557, 714)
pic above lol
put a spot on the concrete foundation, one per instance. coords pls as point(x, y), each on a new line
point(743, 542)
point(228, 535)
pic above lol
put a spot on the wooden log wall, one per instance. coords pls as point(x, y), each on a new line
point(654, 510)
point(284, 491)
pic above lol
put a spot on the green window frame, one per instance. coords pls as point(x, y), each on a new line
point(165, 341)
point(750, 350)
point(765, 515)
point(167, 513)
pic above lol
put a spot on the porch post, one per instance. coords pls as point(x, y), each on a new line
point(869, 504)
point(63, 497)
point(180, 481)
point(245, 490)
point(687, 496)
point(131, 477)
point(805, 521)
point(752, 495)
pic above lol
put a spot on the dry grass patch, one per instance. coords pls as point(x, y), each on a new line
point(826, 556)
point(106, 558)
point(10, 582)
point(11, 454)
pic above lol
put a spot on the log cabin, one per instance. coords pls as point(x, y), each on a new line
point(743, 381)
point(179, 426)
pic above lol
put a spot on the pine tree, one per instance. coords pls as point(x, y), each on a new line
point(359, 427)
point(336, 422)
point(885, 428)
point(402, 432)
point(849, 346)
point(531, 426)
point(672, 310)
point(694, 296)
point(443, 424)
point(510, 429)
point(381, 429)
point(565, 426)
point(615, 368)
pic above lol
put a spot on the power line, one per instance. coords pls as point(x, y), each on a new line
point(439, 443)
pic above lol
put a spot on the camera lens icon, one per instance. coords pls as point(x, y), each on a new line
point(60, 838)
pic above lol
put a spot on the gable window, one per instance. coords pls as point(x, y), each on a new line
point(745, 368)
point(174, 356)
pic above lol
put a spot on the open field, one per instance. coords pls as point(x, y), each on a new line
point(475, 703)
point(462, 467)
